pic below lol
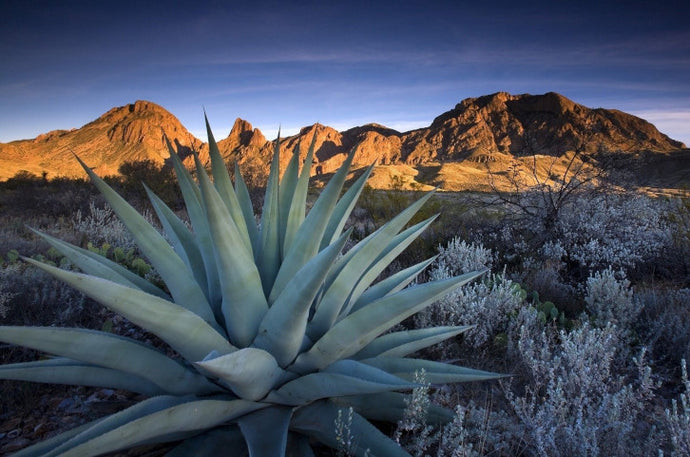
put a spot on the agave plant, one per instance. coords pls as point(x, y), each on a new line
point(273, 328)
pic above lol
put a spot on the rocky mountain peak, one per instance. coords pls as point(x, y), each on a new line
point(240, 126)
point(490, 128)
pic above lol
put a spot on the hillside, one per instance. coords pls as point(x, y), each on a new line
point(453, 152)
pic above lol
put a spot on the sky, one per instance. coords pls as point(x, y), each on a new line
point(341, 63)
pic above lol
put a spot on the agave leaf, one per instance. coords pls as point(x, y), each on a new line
point(390, 407)
point(182, 239)
point(344, 207)
point(345, 377)
point(400, 344)
point(391, 284)
point(298, 446)
point(97, 265)
point(403, 217)
point(398, 244)
point(167, 263)
point(266, 431)
point(270, 252)
point(338, 292)
point(286, 192)
point(221, 180)
point(110, 351)
point(308, 238)
point(249, 372)
point(192, 198)
point(183, 330)
point(69, 439)
point(247, 210)
point(67, 371)
point(190, 191)
point(188, 415)
point(244, 304)
point(41, 448)
point(298, 203)
point(317, 419)
point(355, 331)
point(282, 330)
point(213, 443)
point(436, 372)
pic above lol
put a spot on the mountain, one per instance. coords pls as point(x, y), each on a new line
point(124, 134)
point(496, 128)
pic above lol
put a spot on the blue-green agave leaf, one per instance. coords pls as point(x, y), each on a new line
point(317, 419)
point(247, 210)
point(286, 192)
point(67, 371)
point(344, 207)
point(192, 198)
point(340, 290)
point(401, 344)
point(282, 330)
point(398, 244)
point(298, 202)
point(270, 252)
point(213, 443)
point(183, 330)
point(249, 372)
point(298, 446)
point(93, 429)
point(184, 415)
point(42, 447)
point(435, 372)
point(110, 351)
point(183, 241)
point(358, 329)
point(221, 179)
point(308, 238)
point(97, 265)
point(244, 304)
point(266, 431)
point(392, 284)
point(346, 377)
point(167, 263)
point(390, 407)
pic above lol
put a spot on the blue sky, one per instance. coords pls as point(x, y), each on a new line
point(347, 63)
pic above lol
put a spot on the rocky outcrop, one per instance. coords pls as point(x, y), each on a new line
point(548, 124)
point(477, 130)
point(123, 134)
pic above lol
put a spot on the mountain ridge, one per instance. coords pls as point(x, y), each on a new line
point(490, 128)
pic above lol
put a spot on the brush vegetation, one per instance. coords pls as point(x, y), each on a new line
point(586, 308)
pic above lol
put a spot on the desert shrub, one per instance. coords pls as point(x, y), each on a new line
point(41, 198)
point(413, 432)
point(474, 430)
point(609, 298)
point(678, 418)
point(593, 232)
point(614, 230)
point(486, 304)
point(665, 319)
point(100, 225)
point(578, 400)
point(678, 257)
point(159, 178)
point(35, 298)
point(460, 257)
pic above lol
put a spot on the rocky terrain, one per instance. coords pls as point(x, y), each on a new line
point(454, 152)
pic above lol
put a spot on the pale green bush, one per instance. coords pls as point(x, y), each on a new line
point(576, 402)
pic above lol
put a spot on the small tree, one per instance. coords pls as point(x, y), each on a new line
point(539, 192)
